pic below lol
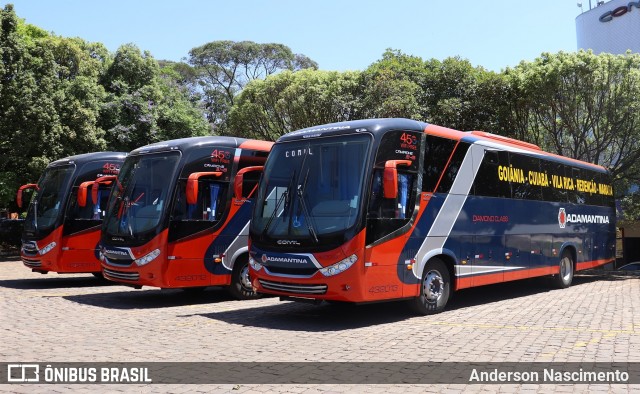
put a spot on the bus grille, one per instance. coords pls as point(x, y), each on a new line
point(111, 274)
point(118, 262)
point(293, 288)
point(32, 263)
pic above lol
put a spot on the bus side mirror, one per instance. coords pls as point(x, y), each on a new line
point(82, 193)
point(107, 179)
point(192, 185)
point(239, 180)
point(20, 190)
point(390, 177)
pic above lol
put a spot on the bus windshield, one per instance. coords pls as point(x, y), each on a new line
point(48, 201)
point(137, 203)
point(311, 190)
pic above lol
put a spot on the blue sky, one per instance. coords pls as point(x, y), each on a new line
point(338, 34)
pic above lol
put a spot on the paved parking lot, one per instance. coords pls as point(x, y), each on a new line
point(77, 318)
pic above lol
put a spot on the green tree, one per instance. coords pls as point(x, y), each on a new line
point(64, 96)
point(392, 87)
point(450, 93)
point(143, 104)
point(49, 100)
point(225, 67)
point(287, 101)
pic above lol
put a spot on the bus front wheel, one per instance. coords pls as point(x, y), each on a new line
point(241, 287)
point(564, 277)
point(435, 289)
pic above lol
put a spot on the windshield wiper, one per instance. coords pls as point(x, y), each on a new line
point(303, 204)
point(284, 197)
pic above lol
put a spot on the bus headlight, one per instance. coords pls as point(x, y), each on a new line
point(340, 266)
point(47, 248)
point(148, 258)
point(254, 264)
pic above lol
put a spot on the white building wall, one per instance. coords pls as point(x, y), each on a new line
point(613, 27)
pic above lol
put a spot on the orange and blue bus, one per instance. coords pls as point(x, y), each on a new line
point(385, 209)
point(178, 216)
point(62, 229)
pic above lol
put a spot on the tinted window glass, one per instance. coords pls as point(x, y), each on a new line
point(530, 181)
point(576, 195)
point(493, 178)
point(557, 190)
point(587, 184)
point(452, 169)
point(606, 190)
point(251, 178)
point(437, 155)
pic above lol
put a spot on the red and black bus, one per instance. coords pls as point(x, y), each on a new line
point(386, 209)
point(62, 231)
point(178, 216)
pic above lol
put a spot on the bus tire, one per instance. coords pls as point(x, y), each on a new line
point(564, 277)
point(240, 287)
point(435, 289)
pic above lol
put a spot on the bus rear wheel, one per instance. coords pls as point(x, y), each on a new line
point(564, 277)
point(241, 288)
point(434, 290)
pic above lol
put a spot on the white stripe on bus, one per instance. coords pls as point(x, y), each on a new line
point(451, 208)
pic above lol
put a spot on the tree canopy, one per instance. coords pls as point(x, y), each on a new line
point(223, 68)
point(64, 96)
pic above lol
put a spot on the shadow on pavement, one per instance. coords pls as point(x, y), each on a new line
point(504, 291)
point(48, 281)
point(296, 316)
point(151, 299)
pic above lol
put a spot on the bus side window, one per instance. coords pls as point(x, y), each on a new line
point(606, 190)
point(208, 207)
point(90, 211)
point(437, 155)
point(451, 170)
point(492, 179)
point(529, 186)
point(100, 208)
point(250, 158)
point(556, 173)
point(578, 196)
point(593, 197)
point(386, 208)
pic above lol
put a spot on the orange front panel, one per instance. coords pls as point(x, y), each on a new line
point(77, 261)
point(373, 277)
point(186, 273)
point(150, 274)
point(187, 268)
point(382, 276)
point(345, 286)
point(50, 260)
point(381, 283)
point(79, 252)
